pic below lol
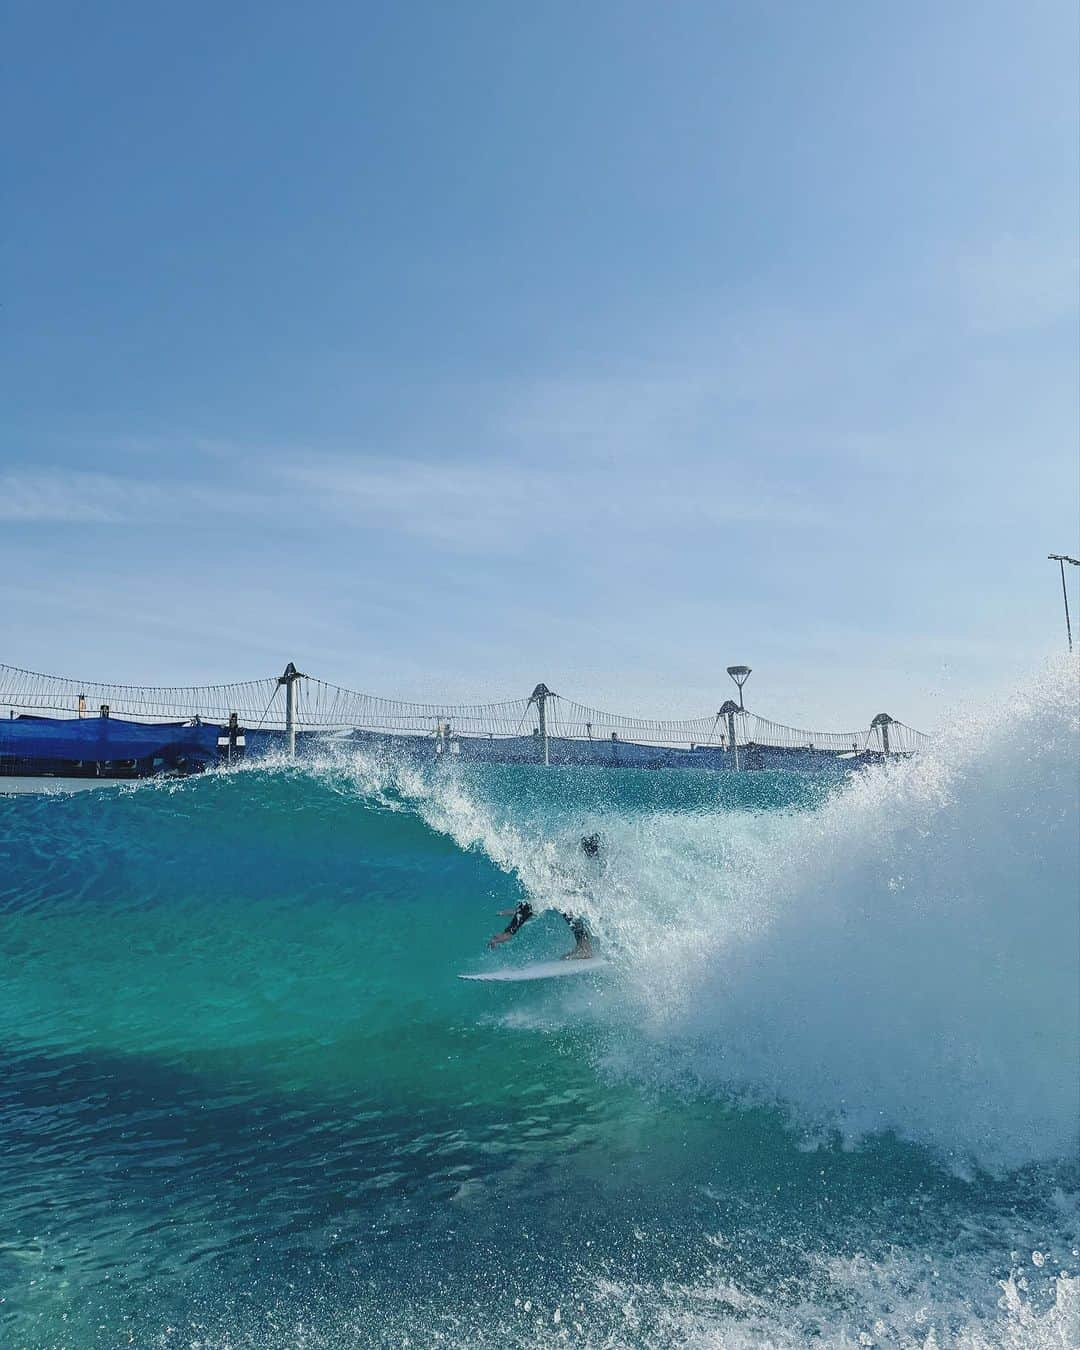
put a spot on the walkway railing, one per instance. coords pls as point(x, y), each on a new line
point(319, 706)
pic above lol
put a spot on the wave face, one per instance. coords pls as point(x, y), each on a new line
point(825, 1091)
point(906, 957)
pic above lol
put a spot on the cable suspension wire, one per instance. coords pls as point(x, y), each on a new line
point(333, 709)
point(330, 707)
point(32, 691)
point(580, 721)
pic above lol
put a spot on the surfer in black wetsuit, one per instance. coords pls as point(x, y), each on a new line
point(590, 846)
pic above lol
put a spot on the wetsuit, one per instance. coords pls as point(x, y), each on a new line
point(590, 846)
point(525, 911)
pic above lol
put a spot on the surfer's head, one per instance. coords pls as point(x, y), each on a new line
point(590, 845)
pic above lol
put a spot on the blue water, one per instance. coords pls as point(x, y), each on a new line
point(825, 1093)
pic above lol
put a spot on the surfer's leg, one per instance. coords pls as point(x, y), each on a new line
point(582, 948)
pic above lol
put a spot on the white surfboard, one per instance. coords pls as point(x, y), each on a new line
point(540, 970)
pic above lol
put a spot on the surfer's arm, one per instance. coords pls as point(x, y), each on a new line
point(519, 915)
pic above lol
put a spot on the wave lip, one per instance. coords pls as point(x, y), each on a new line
point(907, 958)
point(903, 956)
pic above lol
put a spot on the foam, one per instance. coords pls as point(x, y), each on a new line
point(851, 1303)
point(907, 957)
point(904, 958)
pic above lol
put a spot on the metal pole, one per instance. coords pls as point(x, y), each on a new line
point(288, 679)
point(540, 696)
point(1065, 597)
point(729, 710)
point(1061, 559)
point(881, 723)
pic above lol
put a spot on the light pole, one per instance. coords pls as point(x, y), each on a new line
point(740, 674)
point(1061, 559)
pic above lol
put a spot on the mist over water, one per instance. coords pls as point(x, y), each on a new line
point(905, 957)
point(825, 1092)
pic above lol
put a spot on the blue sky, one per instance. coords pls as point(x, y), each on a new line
point(446, 348)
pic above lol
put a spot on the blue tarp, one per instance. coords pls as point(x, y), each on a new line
point(104, 738)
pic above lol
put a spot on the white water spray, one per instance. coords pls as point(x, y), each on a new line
point(904, 958)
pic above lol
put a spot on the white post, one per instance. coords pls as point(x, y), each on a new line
point(288, 679)
point(882, 722)
point(540, 696)
point(729, 710)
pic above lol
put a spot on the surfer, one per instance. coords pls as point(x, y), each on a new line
point(590, 846)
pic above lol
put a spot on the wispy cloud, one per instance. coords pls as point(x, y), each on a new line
point(499, 505)
point(66, 495)
point(76, 497)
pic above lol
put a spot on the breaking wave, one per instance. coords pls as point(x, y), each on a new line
point(824, 1093)
point(899, 956)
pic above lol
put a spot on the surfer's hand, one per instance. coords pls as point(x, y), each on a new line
point(500, 937)
point(507, 913)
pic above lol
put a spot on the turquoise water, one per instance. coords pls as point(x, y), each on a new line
point(825, 1094)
